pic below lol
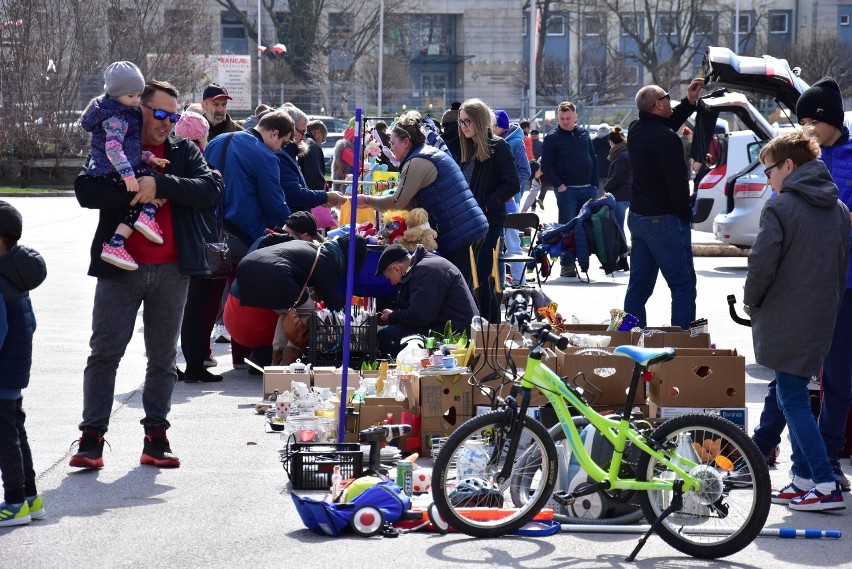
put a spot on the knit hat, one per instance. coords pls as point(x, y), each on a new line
point(303, 222)
point(534, 132)
point(122, 78)
point(822, 102)
point(390, 255)
point(501, 119)
point(11, 223)
point(603, 130)
point(451, 115)
point(215, 91)
point(192, 126)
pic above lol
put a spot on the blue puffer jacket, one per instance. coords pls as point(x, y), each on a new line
point(452, 209)
point(838, 159)
point(515, 137)
point(21, 270)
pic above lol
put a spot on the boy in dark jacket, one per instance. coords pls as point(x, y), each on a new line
point(21, 270)
point(793, 310)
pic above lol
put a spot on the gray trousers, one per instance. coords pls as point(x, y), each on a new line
point(117, 301)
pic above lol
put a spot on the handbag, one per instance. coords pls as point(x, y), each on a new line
point(220, 261)
point(297, 331)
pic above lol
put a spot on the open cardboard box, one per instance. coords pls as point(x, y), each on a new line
point(604, 379)
point(672, 337)
point(699, 378)
point(736, 415)
point(445, 403)
point(332, 378)
point(279, 378)
point(619, 338)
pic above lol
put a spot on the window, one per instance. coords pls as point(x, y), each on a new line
point(339, 30)
point(666, 24)
point(745, 24)
point(234, 36)
point(778, 22)
point(844, 19)
point(527, 22)
point(629, 25)
point(705, 23)
point(631, 75)
point(434, 34)
point(556, 26)
point(593, 26)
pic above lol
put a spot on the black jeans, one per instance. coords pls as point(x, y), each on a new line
point(16, 460)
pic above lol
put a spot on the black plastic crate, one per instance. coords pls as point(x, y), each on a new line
point(311, 465)
point(326, 346)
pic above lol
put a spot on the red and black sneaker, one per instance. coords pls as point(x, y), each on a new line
point(156, 450)
point(90, 449)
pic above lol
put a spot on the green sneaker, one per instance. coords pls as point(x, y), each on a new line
point(14, 515)
point(36, 505)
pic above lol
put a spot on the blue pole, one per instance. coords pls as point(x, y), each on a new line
point(350, 274)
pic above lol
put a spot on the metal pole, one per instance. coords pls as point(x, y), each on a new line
point(737, 28)
point(789, 533)
point(381, 54)
point(533, 27)
point(259, 56)
point(350, 274)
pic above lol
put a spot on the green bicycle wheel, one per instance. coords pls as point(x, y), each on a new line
point(731, 506)
point(465, 484)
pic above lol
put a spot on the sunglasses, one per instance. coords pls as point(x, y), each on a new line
point(666, 96)
point(162, 115)
point(465, 122)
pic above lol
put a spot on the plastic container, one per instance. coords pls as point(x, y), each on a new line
point(326, 343)
point(310, 466)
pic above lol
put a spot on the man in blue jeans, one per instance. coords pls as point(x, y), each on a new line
point(569, 161)
point(160, 282)
point(660, 214)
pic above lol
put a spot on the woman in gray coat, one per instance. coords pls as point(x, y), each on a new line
point(795, 282)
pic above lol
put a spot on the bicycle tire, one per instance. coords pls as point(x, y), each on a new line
point(729, 510)
point(466, 458)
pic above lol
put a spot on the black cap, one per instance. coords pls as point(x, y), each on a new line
point(215, 91)
point(390, 255)
point(822, 102)
point(11, 223)
point(304, 222)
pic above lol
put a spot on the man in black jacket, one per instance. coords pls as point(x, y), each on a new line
point(660, 215)
point(161, 281)
point(430, 292)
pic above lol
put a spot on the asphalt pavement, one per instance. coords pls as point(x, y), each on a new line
point(228, 505)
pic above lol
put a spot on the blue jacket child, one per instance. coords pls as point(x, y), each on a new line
point(21, 270)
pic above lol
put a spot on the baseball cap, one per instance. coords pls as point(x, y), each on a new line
point(391, 254)
point(215, 91)
point(304, 222)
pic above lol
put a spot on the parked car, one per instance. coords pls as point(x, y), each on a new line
point(328, 149)
point(735, 154)
point(746, 192)
point(331, 123)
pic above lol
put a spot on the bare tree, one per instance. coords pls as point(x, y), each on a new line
point(303, 26)
point(826, 57)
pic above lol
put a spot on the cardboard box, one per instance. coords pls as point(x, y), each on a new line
point(736, 415)
point(618, 338)
point(445, 403)
point(279, 378)
point(672, 337)
point(495, 336)
point(332, 378)
point(604, 379)
point(699, 378)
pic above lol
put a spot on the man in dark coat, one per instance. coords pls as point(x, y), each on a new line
point(660, 215)
point(430, 292)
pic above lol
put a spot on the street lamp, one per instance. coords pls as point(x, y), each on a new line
point(259, 56)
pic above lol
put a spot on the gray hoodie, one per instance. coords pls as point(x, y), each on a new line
point(797, 272)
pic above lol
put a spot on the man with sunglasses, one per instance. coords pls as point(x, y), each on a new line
point(660, 215)
point(214, 101)
point(160, 282)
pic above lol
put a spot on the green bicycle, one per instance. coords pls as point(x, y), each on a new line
point(699, 479)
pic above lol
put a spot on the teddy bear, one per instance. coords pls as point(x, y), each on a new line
point(418, 231)
point(393, 225)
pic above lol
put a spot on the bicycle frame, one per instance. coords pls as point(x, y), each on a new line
point(618, 433)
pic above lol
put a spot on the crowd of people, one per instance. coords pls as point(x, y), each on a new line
point(166, 183)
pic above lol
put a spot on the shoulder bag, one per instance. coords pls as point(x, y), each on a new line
point(219, 258)
point(297, 331)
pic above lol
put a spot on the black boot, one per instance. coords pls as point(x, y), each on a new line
point(623, 264)
point(199, 375)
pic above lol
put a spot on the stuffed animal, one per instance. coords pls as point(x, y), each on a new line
point(393, 225)
point(418, 231)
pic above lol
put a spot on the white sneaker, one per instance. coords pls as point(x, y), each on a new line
point(221, 335)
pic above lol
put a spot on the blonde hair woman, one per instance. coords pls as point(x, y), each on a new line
point(489, 167)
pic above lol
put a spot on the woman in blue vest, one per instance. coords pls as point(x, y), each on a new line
point(430, 179)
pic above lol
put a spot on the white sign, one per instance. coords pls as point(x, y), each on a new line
point(231, 71)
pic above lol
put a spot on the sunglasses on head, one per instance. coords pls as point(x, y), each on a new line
point(162, 115)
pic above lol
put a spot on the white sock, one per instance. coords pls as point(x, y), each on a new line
point(826, 487)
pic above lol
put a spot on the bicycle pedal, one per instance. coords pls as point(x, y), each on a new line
point(564, 498)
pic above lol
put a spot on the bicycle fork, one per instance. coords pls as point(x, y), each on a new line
point(517, 424)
